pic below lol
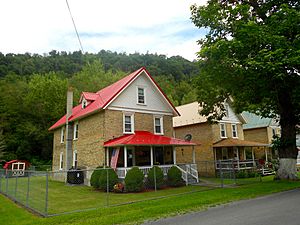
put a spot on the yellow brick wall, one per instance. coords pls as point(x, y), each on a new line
point(201, 135)
point(89, 145)
point(258, 135)
point(57, 149)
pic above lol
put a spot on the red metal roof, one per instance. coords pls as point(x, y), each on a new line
point(103, 97)
point(7, 164)
point(145, 138)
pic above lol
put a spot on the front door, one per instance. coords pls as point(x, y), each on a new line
point(159, 156)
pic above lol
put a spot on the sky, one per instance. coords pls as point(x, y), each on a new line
point(153, 26)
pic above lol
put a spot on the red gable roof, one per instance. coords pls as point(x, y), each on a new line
point(145, 138)
point(103, 97)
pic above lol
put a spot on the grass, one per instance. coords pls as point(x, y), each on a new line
point(152, 209)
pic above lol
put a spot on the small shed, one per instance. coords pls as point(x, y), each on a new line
point(16, 167)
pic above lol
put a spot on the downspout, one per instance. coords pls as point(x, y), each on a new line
point(69, 130)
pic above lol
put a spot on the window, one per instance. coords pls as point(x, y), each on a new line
point(158, 125)
point(226, 110)
point(234, 131)
point(224, 153)
point(76, 131)
point(61, 161)
point(222, 130)
point(141, 96)
point(128, 123)
point(62, 135)
point(75, 159)
point(84, 103)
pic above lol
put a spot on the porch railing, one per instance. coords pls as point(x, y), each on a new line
point(235, 164)
point(186, 170)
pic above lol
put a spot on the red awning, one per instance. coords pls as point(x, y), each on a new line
point(146, 138)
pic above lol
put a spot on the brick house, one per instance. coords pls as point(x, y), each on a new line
point(262, 130)
point(128, 123)
point(222, 140)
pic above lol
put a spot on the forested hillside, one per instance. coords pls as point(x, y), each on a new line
point(33, 91)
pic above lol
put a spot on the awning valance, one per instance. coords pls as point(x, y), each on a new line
point(146, 138)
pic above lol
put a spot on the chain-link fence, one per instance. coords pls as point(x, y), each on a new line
point(59, 192)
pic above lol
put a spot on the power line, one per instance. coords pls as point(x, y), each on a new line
point(75, 27)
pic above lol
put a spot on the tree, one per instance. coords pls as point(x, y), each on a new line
point(252, 53)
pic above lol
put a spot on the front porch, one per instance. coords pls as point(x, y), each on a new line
point(235, 154)
point(144, 150)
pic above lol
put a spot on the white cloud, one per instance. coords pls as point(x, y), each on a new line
point(156, 26)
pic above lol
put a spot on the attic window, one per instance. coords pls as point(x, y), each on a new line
point(84, 103)
point(141, 96)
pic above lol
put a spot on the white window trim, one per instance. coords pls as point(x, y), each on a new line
point(61, 161)
point(132, 122)
point(225, 136)
point(75, 154)
point(84, 103)
point(75, 130)
point(62, 135)
point(161, 124)
point(137, 95)
point(236, 130)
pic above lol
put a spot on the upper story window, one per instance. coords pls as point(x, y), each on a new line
point(234, 131)
point(223, 130)
point(141, 98)
point(62, 135)
point(75, 136)
point(158, 125)
point(61, 161)
point(128, 123)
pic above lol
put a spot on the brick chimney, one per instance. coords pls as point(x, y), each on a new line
point(69, 130)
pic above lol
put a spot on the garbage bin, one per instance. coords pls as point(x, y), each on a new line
point(75, 176)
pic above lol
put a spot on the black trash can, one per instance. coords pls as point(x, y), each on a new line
point(75, 176)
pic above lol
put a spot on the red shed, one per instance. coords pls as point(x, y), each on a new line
point(17, 167)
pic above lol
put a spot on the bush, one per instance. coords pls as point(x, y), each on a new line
point(95, 177)
point(175, 177)
point(159, 177)
point(134, 180)
point(112, 179)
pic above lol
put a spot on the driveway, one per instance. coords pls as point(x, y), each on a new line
point(276, 209)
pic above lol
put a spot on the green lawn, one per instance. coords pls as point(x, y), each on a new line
point(140, 211)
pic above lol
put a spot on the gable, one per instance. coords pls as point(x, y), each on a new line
point(231, 116)
point(155, 101)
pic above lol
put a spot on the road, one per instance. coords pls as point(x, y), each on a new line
point(277, 209)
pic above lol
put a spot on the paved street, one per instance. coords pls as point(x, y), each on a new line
point(277, 209)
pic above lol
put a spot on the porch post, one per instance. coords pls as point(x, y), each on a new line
point(253, 156)
point(151, 155)
point(238, 158)
point(133, 156)
point(107, 157)
point(174, 155)
point(266, 153)
point(125, 156)
point(194, 155)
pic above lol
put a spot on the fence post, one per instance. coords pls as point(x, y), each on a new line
point(0, 181)
point(154, 168)
point(221, 174)
point(27, 194)
point(46, 203)
point(16, 187)
point(233, 170)
point(107, 187)
point(6, 176)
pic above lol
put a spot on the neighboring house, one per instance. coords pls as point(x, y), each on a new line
point(262, 130)
point(222, 140)
point(128, 123)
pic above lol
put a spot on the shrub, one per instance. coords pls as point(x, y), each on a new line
point(112, 179)
point(95, 177)
point(134, 180)
point(159, 177)
point(175, 177)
